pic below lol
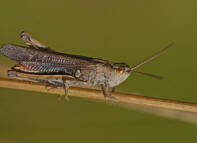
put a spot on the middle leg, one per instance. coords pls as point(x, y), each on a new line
point(106, 92)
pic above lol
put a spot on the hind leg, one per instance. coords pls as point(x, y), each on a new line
point(32, 42)
point(52, 84)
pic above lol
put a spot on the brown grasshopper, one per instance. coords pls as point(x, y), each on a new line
point(38, 63)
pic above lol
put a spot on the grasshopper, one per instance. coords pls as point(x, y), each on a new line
point(37, 62)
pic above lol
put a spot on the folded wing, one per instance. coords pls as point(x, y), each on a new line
point(36, 61)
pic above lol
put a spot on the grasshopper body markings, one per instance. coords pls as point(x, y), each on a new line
point(65, 70)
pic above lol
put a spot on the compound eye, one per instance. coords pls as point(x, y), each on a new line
point(121, 71)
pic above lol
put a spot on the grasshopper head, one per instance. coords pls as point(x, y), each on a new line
point(122, 68)
point(120, 73)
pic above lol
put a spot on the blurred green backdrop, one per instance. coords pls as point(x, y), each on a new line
point(121, 31)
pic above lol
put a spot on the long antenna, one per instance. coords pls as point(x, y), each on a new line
point(152, 57)
point(148, 74)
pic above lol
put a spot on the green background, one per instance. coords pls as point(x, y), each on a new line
point(120, 31)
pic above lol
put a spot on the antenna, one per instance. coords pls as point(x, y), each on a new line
point(148, 74)
point(152, 57)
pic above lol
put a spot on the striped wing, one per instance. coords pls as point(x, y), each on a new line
point(50, 68)
point(37, 61)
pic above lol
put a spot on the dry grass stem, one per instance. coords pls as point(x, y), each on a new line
point(169, 108)
point(97, 94)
